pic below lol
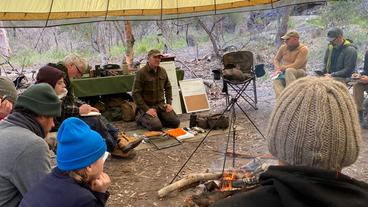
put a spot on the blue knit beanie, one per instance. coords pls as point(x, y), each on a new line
point(78, 145)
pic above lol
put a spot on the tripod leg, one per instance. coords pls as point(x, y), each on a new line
point(255, 126)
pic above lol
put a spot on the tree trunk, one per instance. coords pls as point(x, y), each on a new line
point(129, 42)
point(211, 36)
point(4, 43)
point(282, 24)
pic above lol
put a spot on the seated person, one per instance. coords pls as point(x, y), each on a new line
point(78, 179)
point(118, 145)
point(359, 87)
point(314, 132)
point(340, 57)
point(24, 154)
point(290, 60)
point(150, 90)
point(8, 95)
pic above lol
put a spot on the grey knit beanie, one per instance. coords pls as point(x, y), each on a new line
point(7, 88)
point(315, 123)
point(40, 99)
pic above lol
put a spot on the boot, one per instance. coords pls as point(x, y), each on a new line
point(124, 145)
point(127, 143)
point(117, 152)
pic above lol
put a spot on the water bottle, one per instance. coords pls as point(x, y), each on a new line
point(193, 120)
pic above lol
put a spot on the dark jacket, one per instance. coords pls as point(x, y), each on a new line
point(287, 186)
point(58, 189)
point(341, 61)
point(70, 104)
point(365, 68)
point(150, 88)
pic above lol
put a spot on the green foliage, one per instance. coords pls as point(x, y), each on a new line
point(55, 55)
point(342, 12)
point(147, 43)
point(236, 18)
point(26, 58)
point(117, 51)
point(179, 43)
point(317, 22)
point(291, 24)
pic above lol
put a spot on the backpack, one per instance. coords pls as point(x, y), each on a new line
point(128, 110)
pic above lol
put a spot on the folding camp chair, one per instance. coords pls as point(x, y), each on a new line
point(242, 60)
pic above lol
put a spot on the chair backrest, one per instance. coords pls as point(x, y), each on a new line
point(243, 59)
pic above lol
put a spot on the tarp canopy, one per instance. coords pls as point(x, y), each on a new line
point(48, 13)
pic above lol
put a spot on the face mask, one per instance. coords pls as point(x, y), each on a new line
point(62, 95)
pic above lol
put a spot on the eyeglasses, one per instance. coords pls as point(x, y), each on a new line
point(79, 71)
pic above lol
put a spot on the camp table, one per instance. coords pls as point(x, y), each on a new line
point(98, 86)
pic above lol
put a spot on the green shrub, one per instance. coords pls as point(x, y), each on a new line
point(117, 50)
point(26, 58)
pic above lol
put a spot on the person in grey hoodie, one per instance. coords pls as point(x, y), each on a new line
point(24, 155)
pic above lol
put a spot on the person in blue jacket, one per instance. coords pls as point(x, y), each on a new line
point(78, 179)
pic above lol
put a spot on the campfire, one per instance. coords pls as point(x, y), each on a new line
point(218, 185)
point(237, 179)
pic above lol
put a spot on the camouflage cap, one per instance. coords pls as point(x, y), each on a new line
point(290, 34)
point(154, 52)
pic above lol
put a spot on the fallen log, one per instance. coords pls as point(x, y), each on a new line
point(191, 178)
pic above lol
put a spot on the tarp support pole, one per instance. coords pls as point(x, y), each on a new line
point(47, 21)
point(107, 9)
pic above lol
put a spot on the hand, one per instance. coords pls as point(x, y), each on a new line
point(280, 69)
point(364, 79)
point(101, 183)
point(5, 108)
point(168, 107)
point(85, 109)
point(152, 112)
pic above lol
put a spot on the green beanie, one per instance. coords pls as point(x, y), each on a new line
point(40, 99)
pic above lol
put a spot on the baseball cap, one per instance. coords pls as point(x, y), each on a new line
point(154, 52)
point(290, 34)
point(333, 34)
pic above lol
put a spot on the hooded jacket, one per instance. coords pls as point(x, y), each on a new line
point(341, 61)
point(288, 186)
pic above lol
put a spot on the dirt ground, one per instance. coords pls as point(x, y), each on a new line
point(136, 182)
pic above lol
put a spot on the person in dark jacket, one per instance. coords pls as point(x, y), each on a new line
point(78, 179)
point(341, 55)
point(153, 95)
point(119, 146)
point(314, 132)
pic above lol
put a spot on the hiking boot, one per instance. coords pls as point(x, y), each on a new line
point(117, 152)
point(127, 143)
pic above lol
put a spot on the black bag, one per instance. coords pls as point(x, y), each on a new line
point(218, 121)
point(202, 122)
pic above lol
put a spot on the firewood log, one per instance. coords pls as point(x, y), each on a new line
point(191, 178)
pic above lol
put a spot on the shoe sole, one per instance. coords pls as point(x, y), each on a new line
point(131, 145)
